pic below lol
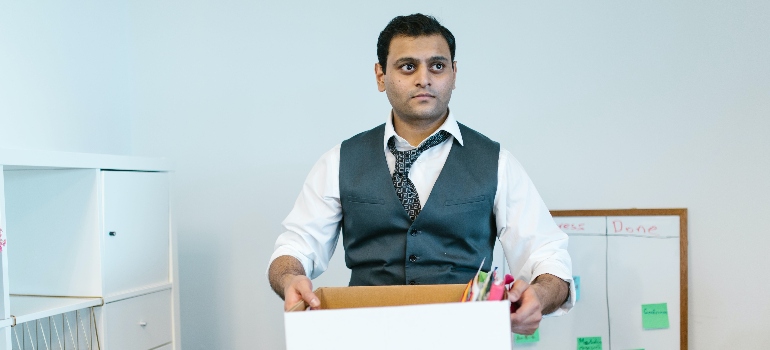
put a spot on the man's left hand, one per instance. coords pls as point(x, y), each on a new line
point(528, 314)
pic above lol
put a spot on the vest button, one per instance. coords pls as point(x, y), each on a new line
point(412, 282)
point(413, 258)
point(414, 232)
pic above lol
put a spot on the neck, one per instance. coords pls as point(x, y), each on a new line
point(415, 131)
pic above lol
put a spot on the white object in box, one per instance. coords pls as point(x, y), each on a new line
point(398, 317)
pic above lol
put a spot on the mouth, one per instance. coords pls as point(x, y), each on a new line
point(423, 95)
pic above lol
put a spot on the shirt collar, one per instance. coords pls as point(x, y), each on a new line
point(450, 126)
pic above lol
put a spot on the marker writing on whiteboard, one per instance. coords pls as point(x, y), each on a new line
point(572, 227)
point(618, 226)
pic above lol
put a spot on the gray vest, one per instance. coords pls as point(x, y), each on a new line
point(453, 233)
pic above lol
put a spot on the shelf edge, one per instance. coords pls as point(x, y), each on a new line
point(74, 160)
point(138, 292)
point(80, 303)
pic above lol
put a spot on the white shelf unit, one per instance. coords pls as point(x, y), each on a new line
point(88, 231)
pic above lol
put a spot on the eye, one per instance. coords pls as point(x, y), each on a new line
point(408, 67)
point(438, 66)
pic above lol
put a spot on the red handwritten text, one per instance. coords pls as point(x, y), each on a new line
point(572, 227)
point(619, 227)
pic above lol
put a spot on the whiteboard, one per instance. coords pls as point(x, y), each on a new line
point(589, 316)
point(632, 273)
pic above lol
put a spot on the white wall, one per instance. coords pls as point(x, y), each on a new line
point(607, 105)
point(65, 76)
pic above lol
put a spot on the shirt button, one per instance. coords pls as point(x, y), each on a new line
point(413, 258)
point(414, 233)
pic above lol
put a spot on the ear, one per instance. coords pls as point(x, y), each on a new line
point(454, 75)
point(380, 75)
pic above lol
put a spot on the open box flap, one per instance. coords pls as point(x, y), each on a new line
point(373, 296)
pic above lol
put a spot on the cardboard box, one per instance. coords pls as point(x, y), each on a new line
point(398, 317)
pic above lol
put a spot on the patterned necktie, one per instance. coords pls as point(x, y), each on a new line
point(404, 159)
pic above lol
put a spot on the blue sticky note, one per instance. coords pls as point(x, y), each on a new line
point(576, 280)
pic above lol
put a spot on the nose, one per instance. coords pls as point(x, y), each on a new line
point(422, 77)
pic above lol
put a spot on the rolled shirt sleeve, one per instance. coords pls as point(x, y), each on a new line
point(313, 225)
point(532, 242)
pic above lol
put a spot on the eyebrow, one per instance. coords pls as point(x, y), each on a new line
point(403, 60)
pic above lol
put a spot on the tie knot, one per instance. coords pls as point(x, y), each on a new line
point(405, 159)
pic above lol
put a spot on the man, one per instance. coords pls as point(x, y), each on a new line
point(422, 198)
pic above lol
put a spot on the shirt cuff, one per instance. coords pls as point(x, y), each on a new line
point(306, 262)
point(559, 271)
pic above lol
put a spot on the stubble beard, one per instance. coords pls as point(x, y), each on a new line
point(420, 116)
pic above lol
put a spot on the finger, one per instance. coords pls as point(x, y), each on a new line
point(529, 304)
point(524, 329)
point(525, 324)
point(304, 288)
point(289, 304)
point(291, 298)
point(527, 317)
point(310, 298)
point(527, 312)
point(518, 288)
point(299, 288)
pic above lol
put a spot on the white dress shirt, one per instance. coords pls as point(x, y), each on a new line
point(532, 242)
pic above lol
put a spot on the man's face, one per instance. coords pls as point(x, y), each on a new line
point(420, 77)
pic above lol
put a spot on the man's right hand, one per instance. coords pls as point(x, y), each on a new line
point(288, 280)
point(297, 288)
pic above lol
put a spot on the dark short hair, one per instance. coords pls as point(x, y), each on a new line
point(411, 26)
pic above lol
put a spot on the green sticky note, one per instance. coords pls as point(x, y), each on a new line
point(576, 279)
point(655, 316)
point(589, 343)
point(534, 338)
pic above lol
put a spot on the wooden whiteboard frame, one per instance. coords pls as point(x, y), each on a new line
point(682, 213)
